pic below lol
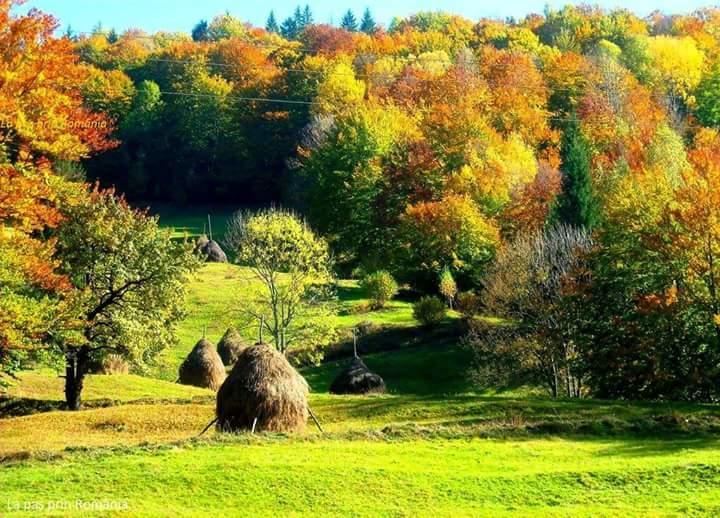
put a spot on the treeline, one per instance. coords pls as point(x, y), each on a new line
point(442, 144)
point(561, 169)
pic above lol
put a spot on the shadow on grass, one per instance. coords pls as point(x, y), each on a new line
point(347, 293)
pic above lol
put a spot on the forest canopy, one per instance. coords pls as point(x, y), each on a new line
point(426, 149)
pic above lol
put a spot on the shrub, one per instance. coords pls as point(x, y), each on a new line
point(380, 287)
point(429, 311)
point(468, 304)
point(447, 286)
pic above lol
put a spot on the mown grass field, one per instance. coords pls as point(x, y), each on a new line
point(433, 446)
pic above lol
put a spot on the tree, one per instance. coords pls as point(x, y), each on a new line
point(289, 28)
point(225, 26)
point(349, 22)
point(200, 31)
point(40, 96)
point(307, 16)
point(529, 284)
point(271, 25)
point(708, 98)
point(367, 24)
point(447, 286)
point(454, 232)
point(645, 318)
point(293, 265)
point(577, 204)
point(128, 280)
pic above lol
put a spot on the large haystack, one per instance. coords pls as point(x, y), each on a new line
point(263, 386)
point(230, 346)
point(203, 367)
point(357, 379)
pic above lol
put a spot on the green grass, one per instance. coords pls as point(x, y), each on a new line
point(424, 450)
point(192, 221)
point(432, 446)
point(216, 295)
point(429, 369)
point(443, 477)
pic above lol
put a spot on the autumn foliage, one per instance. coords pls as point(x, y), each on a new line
point(428, 146)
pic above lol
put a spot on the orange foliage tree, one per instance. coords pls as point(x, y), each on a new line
point(43, 120)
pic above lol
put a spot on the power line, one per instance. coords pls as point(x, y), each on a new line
point(239, 98)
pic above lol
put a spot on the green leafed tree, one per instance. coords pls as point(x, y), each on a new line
point(447, 286)
point(272, 25)
point(128, 277)
point(200, 31)
point(367, 24)
point(289, 28)
point(293, 266)
point(708, 98)
point(225, 26)
point(577, 205)
point(349, 22)
point(307, 16)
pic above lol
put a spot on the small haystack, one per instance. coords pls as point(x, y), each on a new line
point(114, 364)
point(230, 346)
point(357, 379)
point(201, 243)
point(214, 254)
point(203, 367)
point(262, 391)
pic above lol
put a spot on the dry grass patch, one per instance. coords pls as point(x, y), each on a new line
point(126, 425)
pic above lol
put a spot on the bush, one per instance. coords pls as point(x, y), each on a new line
point(447, 286)
point(468, 304)
point(379, 287)
point(429, 311)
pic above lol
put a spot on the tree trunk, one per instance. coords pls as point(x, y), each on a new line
point(75, 370)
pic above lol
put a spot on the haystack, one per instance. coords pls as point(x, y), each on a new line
point(262, 386)
point(357, 379)
point(210, 249)
point(214, 253)
point(203, 367)
point(114, 364)
point(201, 243)
point(230, 346)
point(108, 365)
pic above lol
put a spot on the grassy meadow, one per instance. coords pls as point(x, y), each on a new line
point(435, 445)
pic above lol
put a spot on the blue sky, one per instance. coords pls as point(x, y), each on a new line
point(181, 15)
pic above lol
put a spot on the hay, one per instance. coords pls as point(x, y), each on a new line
point(214, 253)
point(263, 386)
point(114, 364)
point(203, 367)
point(108, 365)
point(201, 243)
point(357, 379)
point(230, 346)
